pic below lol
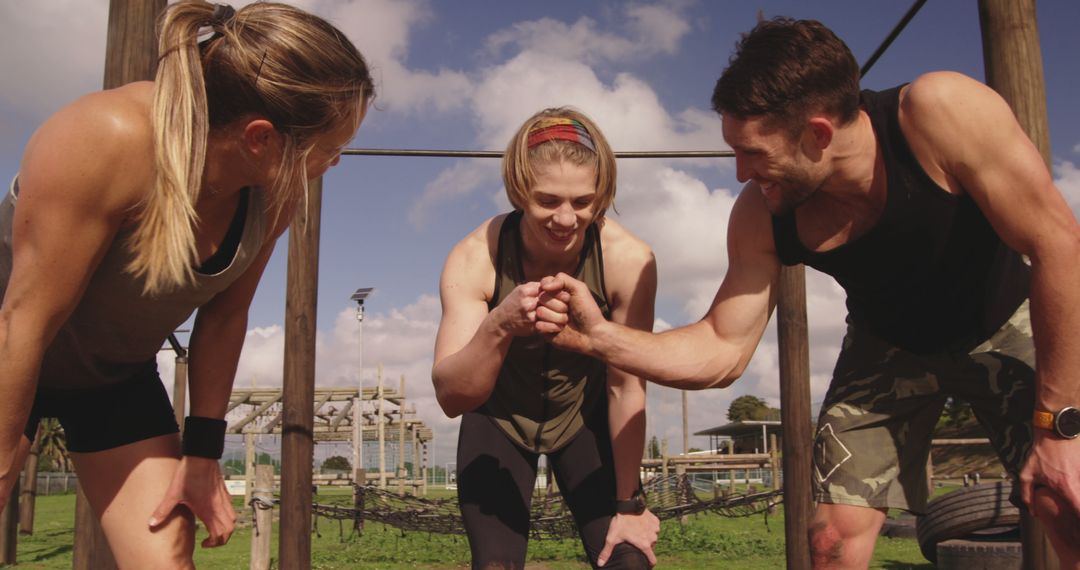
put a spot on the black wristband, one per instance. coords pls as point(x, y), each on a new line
point(635, 505)
point(204, 437)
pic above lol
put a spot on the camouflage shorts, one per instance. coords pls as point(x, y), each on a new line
point(875, 426)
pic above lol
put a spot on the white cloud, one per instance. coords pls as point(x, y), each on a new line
point(1068, 182)
point(381, 30)
point(651, 30)
point(686, 225)
point(461, 179)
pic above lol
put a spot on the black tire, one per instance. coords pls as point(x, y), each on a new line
point(962, 512)
point(968, 554)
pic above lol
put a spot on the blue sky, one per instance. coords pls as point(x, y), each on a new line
point(463, 75)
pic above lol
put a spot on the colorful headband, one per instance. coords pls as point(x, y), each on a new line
point(550, 129)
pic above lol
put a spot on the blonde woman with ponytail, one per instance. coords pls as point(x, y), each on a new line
point(136, 207)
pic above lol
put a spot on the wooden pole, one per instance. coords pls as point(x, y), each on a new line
point(131, 44)
point(298, 394)
point(264, 518)
point(680, 471)
point(417, 486)
point(359, 480)
point(180, 389)
point(28, 496)
point(249, 467)
point(424, 469)
point(774, 461)
point(1012, 60)
point(380, 430)
point(91, 551)
point(9, 522)
point(401, 438)
point(130, 55)
point(685, 425)
point(794, 351)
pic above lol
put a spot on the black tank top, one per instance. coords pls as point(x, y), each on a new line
point(932, 275)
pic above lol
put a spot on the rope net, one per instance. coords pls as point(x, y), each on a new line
point(668, 497)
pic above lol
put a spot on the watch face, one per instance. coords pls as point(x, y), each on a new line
point(1067, 423)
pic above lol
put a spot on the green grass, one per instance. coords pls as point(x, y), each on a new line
point(707, 541)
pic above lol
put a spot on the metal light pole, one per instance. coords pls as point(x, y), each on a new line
point(358, 430)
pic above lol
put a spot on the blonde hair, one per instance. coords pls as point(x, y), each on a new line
point(520, 160)
point(266, 60)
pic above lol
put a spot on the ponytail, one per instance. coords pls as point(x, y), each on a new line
point(164, 239)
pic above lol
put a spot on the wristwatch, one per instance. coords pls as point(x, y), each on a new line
point(635, 505)
point(1064, 422)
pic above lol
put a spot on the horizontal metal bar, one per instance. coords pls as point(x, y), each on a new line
point(498, 154)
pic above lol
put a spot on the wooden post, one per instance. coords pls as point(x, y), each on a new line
point(680, 471)
point(664, 458)
point(131, 43)
point(795, 413)
point(774, 461)
point(264, 518)
point(130, 55)
point(180, 389)
point(91, 551)
point(401, 439)
point(1012, 60)
point(380, 429)
point(359, 480)
point(28, 496)
point(416, 461)
point(298, 394)
point(9, 523)
point(424, 469)
point(249, 466)
point(685, 426)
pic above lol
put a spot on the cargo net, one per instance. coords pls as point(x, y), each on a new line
point(668, 497)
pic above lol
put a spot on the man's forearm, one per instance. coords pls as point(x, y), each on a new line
point(689, 357)
point(1055, 313)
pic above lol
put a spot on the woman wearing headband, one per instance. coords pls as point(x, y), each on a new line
point(517, 396)
point(133, 208)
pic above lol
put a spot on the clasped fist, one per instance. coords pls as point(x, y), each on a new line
point(530, 310)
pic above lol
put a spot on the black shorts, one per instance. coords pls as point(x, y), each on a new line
point(96, 419)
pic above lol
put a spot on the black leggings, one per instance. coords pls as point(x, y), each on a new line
point(495, 481)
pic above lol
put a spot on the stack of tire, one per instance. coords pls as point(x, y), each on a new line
point(972, 527)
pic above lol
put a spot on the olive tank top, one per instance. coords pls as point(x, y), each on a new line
point(543, 394)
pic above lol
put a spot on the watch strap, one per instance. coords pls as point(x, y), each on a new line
point(1043, 420)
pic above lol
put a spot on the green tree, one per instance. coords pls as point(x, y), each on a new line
point(337, 463)
point(54, 452)
point(654, 448)
point(747, 407)
point(233, 467)
point(265, 459)
point(957, 414)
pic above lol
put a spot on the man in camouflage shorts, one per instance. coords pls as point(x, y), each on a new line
point(931, 208)
point(875, 426)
